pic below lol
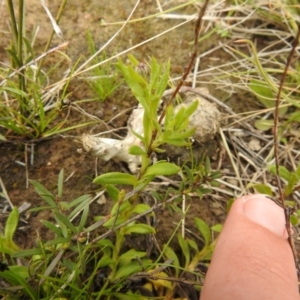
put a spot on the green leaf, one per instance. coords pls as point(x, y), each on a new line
point(22, 271)
point(215, 183)
point(63, 205)
point(139, 228)
point(140, 137)
point(133, 60)
point(60, 183)
point(204, 190)
point(207, 165)
point(105, 261)
point(29, 48)
point(199, 193)
point(65, 221)
point(106, 243)
point(264, 125)
point(129, 269)
point(163, 81)
point(217, 227)
point(29, 252)
point(263, 92)
point(215, 175)
point(2, 138)
point(294, 220)
point(140, 208)
point(155, 73)
point(63, 228)
point(148, 130)
point(52, 227)
point(14, 91)
point(193, 245)
point(81, 202)
point(7, 245)
point(84, 217)
point(169, 117)
point(109, 223)
point(204, 230)
point(181, 135)
point(116, 178)
point(136, 150)
point(70, 266)
point(40, 208)
point(113, 192)
point(188, 172)
point(17, 276)
point(283, 172)
point(188, 111)
point(130, 255)
point(289, 203)
point(185, 250)
point(292, 182)
point(262, 188)
point(162, 168)
point(178, 143)
point(295, 116)
point(170, 254)
point(14, 56)
point(136, 82)
point(44, 193)
point(120, 207)
point(297, 172)
point(11, 223)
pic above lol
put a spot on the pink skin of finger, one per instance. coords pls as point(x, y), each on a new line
point(252, 259)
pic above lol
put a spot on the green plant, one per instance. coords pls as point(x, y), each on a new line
point(7, 245)
point(103, 79)
point(148, 91)
point(199, 178)
point(35, 280)
point(29, 109)
point(282, 174)
point(175, 130)
point(186, 266)
point(264, 86)
point(69, 264)
point(87, 259)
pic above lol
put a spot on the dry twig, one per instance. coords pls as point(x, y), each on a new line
point(276, 142)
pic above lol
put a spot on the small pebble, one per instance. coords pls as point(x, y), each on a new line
point(254, 144)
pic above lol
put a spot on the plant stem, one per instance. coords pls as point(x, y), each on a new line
point(276, 143)
point(186, 73)
point(13, 20)
point(21, 75)
point(20, 33)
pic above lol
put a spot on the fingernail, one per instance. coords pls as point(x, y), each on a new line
point(266, 213)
